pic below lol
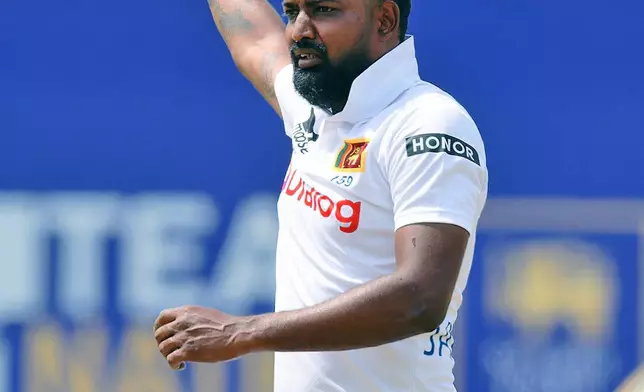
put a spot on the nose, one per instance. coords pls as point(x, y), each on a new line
point(302, 28)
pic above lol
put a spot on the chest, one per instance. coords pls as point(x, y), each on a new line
point(339, 156)
point(335, 176)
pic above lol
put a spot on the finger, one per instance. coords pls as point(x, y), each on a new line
point(166, 331)
point(177, 359)
point(165, 317)
point(169, 346)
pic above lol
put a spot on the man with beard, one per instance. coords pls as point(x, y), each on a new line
point(378, 211)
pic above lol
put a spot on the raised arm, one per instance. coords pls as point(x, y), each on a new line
point(254, 34)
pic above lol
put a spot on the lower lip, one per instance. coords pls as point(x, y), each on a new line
point(309, 63)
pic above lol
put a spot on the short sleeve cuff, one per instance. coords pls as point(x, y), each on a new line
point(283, 78)
point(423, 215)
point(286, 96)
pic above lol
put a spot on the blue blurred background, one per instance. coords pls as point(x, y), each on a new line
point(139, 170)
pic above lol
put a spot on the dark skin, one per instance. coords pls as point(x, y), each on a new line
point(412, 300)
point(259, 41)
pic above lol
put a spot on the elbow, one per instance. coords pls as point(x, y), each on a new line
point(429, 314)
point(429, 322)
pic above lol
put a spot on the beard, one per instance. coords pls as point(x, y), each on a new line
point(327, 85)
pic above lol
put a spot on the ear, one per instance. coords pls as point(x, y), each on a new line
point(389, 19)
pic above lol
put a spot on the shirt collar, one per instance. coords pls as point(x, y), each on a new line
point(381, 83)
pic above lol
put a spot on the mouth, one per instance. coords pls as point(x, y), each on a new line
point(306, 58)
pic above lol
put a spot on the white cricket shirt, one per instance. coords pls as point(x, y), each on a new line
point(401, 152)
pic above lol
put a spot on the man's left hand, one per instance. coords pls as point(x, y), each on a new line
point(197, 334)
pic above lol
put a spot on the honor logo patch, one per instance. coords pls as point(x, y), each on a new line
point(438, 142)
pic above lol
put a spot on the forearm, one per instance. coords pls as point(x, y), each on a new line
point(245, 19)
point(385, 310)
point(254, 34)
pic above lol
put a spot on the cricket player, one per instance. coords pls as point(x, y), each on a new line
point(378, 210)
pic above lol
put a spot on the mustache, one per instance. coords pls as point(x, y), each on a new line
point(307, 43)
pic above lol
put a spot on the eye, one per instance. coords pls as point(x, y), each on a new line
point(290, 14)
point(323, 9)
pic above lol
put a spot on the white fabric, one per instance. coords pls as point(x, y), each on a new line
point(337, 226)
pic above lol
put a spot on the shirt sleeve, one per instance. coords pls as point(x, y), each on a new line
point(436, 168)
point(289, 100)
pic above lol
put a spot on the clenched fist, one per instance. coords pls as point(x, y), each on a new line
point(198, 334)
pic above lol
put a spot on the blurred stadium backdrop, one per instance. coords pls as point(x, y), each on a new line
point(139, 170)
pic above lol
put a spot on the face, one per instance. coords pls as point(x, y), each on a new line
point(332, 42)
